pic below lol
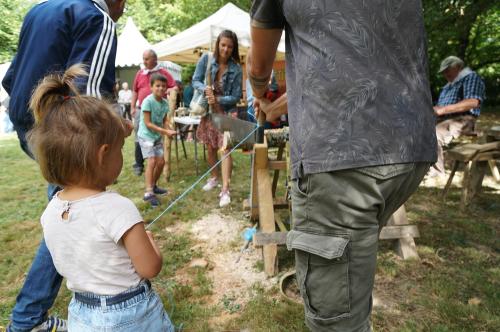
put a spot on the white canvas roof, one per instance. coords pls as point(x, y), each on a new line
point(131, 45)
point(185, 47)
point(3, 70)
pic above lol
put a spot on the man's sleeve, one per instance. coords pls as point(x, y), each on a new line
point(135, 85)
point(267, 14)
point(473, 87)
point(94, 44)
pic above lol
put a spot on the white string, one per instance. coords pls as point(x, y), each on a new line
point(201, 177)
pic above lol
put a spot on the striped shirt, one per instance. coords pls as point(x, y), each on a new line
point(468, 85)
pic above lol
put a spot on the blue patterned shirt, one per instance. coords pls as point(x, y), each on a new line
point(356, 77)
point(469, 86)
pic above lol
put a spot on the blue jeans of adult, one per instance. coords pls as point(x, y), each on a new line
point(42, 282)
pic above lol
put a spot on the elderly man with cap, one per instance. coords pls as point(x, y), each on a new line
point(458, 106)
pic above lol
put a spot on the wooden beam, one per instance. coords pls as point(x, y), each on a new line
point(405, 246)
point(280, 203)
point(398, 232)
point(473, 180)
point(277, 165)
point(266, 219)
point(262, 239)
point(260, 156)
point(494, 170)
point(280, 223)
point(279, 158)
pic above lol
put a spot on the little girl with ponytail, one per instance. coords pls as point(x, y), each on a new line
point(96, 237)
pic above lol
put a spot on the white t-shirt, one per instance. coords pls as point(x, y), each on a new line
point(125, 96)
point(86, 247)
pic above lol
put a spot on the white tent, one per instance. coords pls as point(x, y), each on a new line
point(186, 46)
point(3, 70)
point(131, 46)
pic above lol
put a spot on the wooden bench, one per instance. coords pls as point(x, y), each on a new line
point(476, 158)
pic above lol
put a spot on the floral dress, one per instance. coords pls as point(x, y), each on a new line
point(207, 133)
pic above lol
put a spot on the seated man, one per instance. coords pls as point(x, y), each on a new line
point(458, 106)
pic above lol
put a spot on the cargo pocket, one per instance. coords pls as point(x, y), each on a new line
point(322, 264)
point(301, 185)
point(386, 172)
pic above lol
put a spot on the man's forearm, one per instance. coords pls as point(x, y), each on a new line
point(133, 102)
point(261, 58)
point(460, 107)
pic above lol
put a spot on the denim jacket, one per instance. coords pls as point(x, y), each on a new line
point(231, 81)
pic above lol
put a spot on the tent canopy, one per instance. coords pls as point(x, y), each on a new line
point(3, 70)
point(188, 45)
point(131, 45)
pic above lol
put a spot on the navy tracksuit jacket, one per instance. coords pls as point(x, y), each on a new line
point(55, 35)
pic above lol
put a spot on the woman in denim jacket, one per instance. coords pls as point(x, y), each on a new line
point(222, 94)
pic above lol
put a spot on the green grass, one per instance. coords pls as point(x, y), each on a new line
point(459, 254)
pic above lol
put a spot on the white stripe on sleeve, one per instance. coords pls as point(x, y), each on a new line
point(99, 53)
point(105, 59)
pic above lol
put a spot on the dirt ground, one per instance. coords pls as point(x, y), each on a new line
point(218, 238)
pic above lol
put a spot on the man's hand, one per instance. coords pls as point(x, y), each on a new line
point(439, 110)
point(272, 110)
point(133, 109)
point(260, 104)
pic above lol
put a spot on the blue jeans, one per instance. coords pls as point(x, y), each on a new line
point(42, 282)
point(142, 312)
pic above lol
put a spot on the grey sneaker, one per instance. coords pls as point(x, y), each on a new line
point(152, 199)
point(52, 324)
point(138, 170)
point(159, 191)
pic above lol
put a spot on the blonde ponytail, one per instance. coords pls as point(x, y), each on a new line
point(54, 89)
point(69, 129)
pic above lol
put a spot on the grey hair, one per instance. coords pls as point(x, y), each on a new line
point(152, 52)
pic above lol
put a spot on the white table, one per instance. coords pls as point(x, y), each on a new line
point(188, 120)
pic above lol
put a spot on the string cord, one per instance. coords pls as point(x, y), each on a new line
point(181, 196)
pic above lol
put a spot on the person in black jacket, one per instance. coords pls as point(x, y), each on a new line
point(55, 35)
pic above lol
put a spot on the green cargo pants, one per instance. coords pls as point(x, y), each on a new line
point(337, 217)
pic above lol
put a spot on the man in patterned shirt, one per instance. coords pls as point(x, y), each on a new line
point(458, 106)
point(362, 136)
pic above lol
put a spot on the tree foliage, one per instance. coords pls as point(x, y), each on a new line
point(158, 21)
point(469, 29)
point(11, 14)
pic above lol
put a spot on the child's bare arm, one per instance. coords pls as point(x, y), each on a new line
point(168, 128)
point(152, 126)
point(143, 251)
